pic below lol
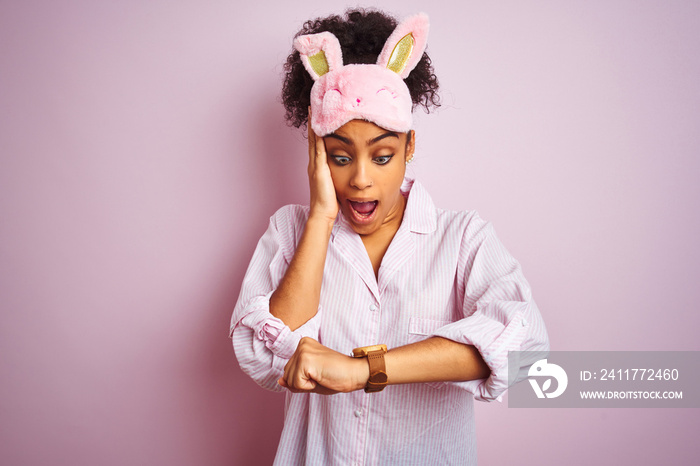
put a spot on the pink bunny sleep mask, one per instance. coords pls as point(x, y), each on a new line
point(375, 93)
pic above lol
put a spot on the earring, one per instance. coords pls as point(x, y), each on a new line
point(409, 160)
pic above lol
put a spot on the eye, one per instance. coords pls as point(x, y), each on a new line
point(387, 93)
point(341, 159)
point(383, 159)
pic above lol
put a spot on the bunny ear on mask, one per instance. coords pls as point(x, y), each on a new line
point(320, 53)
point(405, 46)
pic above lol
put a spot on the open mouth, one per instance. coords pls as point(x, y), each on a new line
point(363, 210)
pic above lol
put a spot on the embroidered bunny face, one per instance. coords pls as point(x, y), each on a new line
point(375, 93)
point(360, 92)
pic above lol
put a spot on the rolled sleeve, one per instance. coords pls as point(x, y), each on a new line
point(499, 313)
point(262, 342)
point(494, 337)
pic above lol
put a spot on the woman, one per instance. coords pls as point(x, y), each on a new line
point(371, 264)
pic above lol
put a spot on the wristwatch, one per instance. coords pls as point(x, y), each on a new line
point(377, 369)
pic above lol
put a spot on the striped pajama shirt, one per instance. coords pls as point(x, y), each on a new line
point(445, 274)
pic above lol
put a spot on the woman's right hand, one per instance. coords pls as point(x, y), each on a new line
point(296, 299)
point(324, 203)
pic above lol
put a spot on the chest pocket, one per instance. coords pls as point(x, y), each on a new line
point(420, 328)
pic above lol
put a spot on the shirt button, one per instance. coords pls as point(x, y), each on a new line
point(372, 307)
point(358, 413)
point(524, 323)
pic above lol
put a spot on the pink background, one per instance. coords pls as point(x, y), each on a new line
point(142, 150)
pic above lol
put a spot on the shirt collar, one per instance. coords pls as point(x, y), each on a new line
point(420, 215)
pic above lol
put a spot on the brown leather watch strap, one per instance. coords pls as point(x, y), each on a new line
point(377, 372)
point(378, 378)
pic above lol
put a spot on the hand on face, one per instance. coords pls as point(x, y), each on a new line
point(324, 203)
point(315, 368)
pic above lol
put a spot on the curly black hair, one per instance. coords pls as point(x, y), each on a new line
point(362, 34)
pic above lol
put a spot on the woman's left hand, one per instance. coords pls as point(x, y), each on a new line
point(315, 368)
